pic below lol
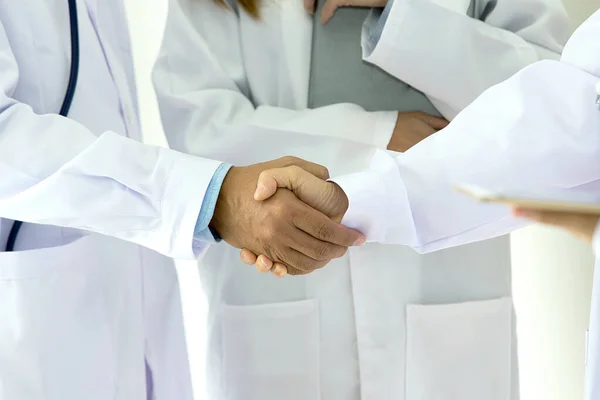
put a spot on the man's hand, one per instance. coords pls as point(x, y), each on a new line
point(582, 225)
point(331, 6)
point(282, 227)
point(413, 127)
point(325, 196)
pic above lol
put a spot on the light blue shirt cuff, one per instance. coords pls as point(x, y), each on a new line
point(202, 232)
point(373, 27)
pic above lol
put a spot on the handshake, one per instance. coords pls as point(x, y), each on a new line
point(284, 215)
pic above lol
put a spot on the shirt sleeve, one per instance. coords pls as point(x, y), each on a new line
point(202, 232)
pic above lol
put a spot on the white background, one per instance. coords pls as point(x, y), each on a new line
point(552, 272)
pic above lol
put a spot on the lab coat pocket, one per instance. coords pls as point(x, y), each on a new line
point(459, 351)
point(54, 337)
point(271, 352)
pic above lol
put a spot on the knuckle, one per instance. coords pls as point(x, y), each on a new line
point(280, 209)
point(267, 249)
point(264, 174)
point(309, 266)
point(293, 171)
point(325, 251)
point(269, 233)
point(294, 271)
point(289, 160)
point(341, 252)
point(319, 265)
point(324, 231)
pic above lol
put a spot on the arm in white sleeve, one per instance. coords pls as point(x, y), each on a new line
point(55, 171)
point(538, 129)
point(435, 47)
point(203, 91)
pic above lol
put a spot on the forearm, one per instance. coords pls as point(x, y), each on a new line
point(114, 186)
point(538, 129)
point(424, 44)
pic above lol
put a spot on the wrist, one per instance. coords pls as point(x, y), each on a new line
point(224, 208)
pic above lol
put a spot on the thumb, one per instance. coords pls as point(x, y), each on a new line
point(317, 193)
point(292, 178)
point(267, 185)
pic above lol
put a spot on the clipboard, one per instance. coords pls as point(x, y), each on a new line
point(554, 201)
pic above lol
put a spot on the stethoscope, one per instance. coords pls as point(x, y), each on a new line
point(66, 105)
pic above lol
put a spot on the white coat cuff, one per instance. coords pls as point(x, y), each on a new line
point(387, 42)
point(378, 204)
point(384, 128)
point(186, 186)
point(392, 31)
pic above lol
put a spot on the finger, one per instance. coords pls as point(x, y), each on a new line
point(309, 5)
point(329, 9)
point(433, 121)
point(248, 257)
point(321, 227)
point(580, 224)
point(292, 178)
point(316, 169)
point(314, 248)
point(279, 270)
point(437, 123)
point(289, 177)
point(331, 6)
point(298, 263)
point(264, 263)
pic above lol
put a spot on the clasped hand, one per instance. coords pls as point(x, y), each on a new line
point(313, 190)
point(296, 230)
point(300, 235)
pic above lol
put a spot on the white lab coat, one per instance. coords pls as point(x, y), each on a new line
point(382, 322)
point(540, 128)
point(79, 313)
point(592, 356)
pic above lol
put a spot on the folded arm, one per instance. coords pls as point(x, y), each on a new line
point(425, 42)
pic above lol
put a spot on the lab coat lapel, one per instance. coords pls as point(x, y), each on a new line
point(297, 27)
point(92, 5)
point(119, 58)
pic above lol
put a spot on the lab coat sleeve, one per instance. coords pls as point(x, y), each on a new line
point(203, 92)
point(54, 171)
point(539, 129)
point(435, 47)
